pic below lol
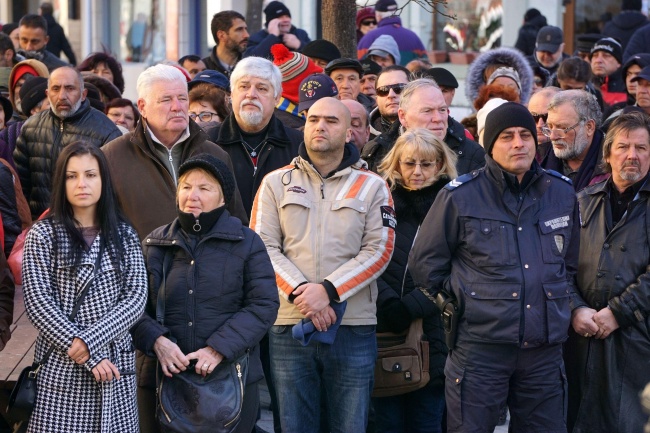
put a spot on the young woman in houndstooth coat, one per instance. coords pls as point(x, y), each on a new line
point(88, 383)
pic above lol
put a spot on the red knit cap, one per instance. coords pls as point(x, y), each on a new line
point(294, 67)
point(22, 70)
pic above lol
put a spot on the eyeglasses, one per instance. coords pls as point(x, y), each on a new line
point(369, 23)
point(423, 165)
point(204, 116)
point(538, 116)
point(559, 133)
point(385, 90)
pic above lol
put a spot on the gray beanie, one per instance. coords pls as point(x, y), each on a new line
point(383, 46)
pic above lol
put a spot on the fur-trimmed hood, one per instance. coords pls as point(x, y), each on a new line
point(509, 56)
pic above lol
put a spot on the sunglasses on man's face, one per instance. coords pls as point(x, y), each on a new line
point(369, 23)
point(385, 90)
point(537, 116)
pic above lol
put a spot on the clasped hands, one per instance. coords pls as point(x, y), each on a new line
point(591, 323)
point(313, 302)
point(105, 371)
point(173, 361)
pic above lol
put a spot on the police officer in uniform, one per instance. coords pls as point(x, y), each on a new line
point(502, 243)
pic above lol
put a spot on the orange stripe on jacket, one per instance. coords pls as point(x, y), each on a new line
point(356, 187)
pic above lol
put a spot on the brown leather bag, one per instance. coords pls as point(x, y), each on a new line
point(402, 362)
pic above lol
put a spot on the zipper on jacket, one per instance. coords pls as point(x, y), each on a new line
point(171, 163)
point(322, 189)
point(241, 395)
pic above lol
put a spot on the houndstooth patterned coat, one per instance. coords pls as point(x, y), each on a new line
point(69, 399)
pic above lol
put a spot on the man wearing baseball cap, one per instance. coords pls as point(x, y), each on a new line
point(549, 48)
point(502, 252)
point(642, 81)
point(606, 58)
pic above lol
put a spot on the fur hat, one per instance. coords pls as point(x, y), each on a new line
point(384, 46)
point(216, 168)
point(609, 45)
point(506, 116)
point(294, 67)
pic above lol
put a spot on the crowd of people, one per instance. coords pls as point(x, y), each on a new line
point(278, 202)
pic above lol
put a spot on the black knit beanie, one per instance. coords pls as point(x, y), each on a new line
point(275, 9)
point(216, 168)
point(506, 116)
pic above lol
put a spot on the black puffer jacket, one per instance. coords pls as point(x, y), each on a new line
point(279, 148)
point(471, 155)
point(220, 291)
point(41, 139)
point(411, 207)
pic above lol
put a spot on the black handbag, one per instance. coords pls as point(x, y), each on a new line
point(191, 403)
point(23, 396)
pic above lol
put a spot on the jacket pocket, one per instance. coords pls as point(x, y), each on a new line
point(558, 312)
point(492, 311)
point(555, 235)
point(491, 243)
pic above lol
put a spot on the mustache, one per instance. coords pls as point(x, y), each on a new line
point(254, 102)
point(632, 163)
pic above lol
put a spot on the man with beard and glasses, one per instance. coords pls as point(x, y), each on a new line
point(608, 354)
point(69, 119)
point(33, 38)
point(574, 117)
point(230, 33)
point(256, 140)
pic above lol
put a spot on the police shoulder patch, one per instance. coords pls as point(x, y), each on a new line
point(460, 180)
point(559, 175)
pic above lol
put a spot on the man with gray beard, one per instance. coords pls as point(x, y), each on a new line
point(253, 136)
point(69, 119)
point(572, 125)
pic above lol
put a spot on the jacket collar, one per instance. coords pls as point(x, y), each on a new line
point(226, 228)
point(229, 132)
point(83, 109)
point(390, 21)
point(351, 158)
point(143, 140)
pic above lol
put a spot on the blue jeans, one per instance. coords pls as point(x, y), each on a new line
point(344, 371)
point(419, 411)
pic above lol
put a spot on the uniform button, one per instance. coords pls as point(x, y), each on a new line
point(605, 246)
point(457, 380)
point(514, 295)
point(520, 229)
point(550, 295)
point(526, 266)
point(623, 248)
point(548, 180)
point(189, 324)
point(192, 262)
point(174, 241)
point(362, 208)
point(617, 277)
point(473, 293)
point(599, 275)
point(534, 198)
point(485, 230)
point(191, 291)
point(528, 306)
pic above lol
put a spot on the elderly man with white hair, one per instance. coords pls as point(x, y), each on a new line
point(254, 137)
point(144, 168)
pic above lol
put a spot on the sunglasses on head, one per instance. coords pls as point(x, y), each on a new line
point(536, 116)
point(385, 90)
point(369, 23)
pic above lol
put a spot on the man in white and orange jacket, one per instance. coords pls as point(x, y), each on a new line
point(328, 225)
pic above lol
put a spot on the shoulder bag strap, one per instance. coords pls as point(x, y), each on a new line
point(79, 301)
point(160, 301)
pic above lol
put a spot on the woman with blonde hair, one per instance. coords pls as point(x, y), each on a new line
point(417, 168)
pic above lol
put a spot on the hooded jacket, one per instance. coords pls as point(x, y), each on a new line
point(220, 282)
point(409, 43)
point(336, 230)
point(613, 273)
point(623, 26)
point(42, 138)
point(638, 43)
point(507, 56)
point(528, 35)
point(471, 155)
point(149, 204)
point(39, 67)
point(279, 148)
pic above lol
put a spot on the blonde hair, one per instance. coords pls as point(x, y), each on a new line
point(427, 146)
point(207, 174)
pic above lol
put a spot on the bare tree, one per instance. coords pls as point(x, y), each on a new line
point(254, 15)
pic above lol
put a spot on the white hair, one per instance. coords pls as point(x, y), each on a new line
point(156, 74)
point(257, 67)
